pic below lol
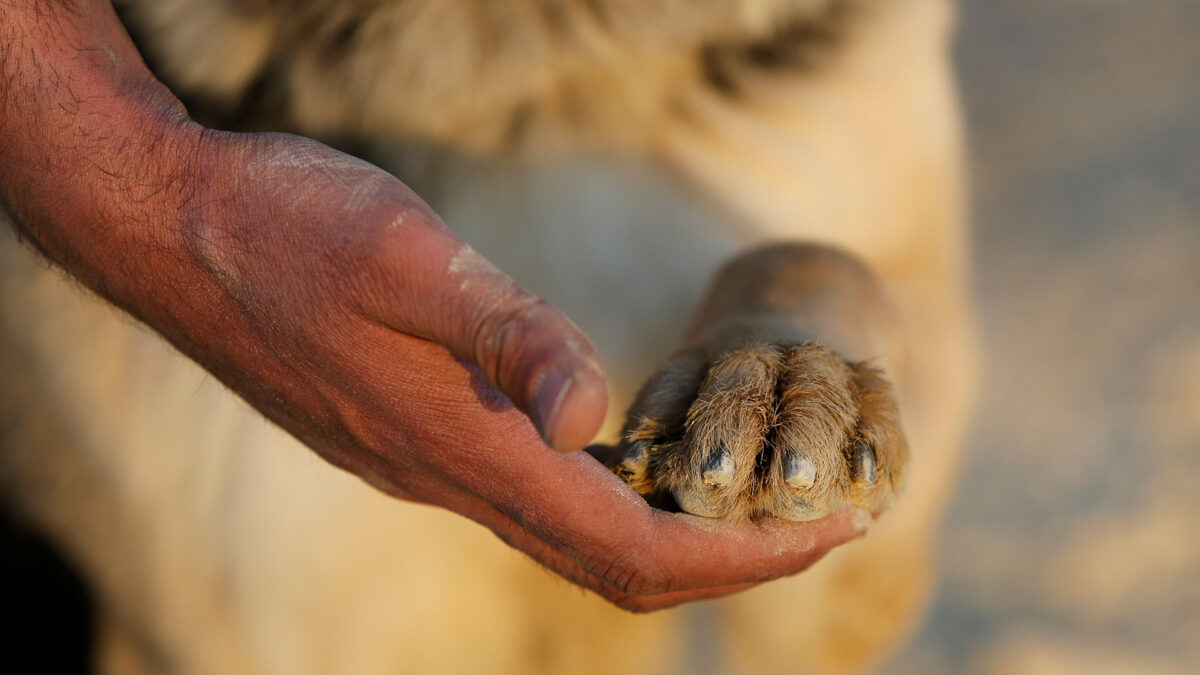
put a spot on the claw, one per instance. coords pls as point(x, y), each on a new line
point(862, 463)
point(800, 472)
point(634, 461)
point(718, 469)
point(635, 457)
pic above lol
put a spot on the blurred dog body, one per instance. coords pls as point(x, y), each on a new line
point(607, 153)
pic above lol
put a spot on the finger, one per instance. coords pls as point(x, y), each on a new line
point(527, 348)
point(642, 551)
point(519, 538)
point(587, 514)
point(691, 555)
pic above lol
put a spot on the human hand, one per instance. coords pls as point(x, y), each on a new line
point(332, 299)
point(396, 352)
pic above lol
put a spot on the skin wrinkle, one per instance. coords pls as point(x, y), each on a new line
point(362, 194)
point(506, 307)
point(367, 183)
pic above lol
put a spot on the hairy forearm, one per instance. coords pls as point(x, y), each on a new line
point(102, 170)
point(94, 150)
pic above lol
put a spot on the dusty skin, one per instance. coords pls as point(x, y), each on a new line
point(613, 157)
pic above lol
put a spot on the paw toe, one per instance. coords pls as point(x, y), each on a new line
point(793, 432)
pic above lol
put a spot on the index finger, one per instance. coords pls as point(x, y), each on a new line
point(520, 538)
point(581, 509)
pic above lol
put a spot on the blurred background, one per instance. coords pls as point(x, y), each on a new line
point(1073, 544)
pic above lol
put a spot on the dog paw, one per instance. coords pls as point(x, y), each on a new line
point(790, 431)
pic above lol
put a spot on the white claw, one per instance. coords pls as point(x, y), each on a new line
point(800, 472)
point(863, 459)
point(718, 470)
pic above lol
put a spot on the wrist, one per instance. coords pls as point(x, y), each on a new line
point(97, 153)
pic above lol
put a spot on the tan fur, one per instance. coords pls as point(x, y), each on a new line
point(216, 544)
point(550, 72)
point(774, 396)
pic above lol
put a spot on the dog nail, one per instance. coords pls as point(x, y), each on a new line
point(800, 472)
point(862, 463)
point(718, 470)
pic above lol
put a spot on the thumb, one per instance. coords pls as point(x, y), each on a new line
point(526, 347)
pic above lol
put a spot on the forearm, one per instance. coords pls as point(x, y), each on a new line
point(101, 169)
point(790, 292)
point(95, 151)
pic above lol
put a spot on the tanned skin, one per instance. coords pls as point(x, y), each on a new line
point(329, 296)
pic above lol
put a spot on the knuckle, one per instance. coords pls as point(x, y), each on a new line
point(502, 334)
point(631, 576)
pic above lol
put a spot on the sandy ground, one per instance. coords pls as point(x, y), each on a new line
point(1072, 546)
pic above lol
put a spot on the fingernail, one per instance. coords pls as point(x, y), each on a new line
point(548, 396)
point(860, 520)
